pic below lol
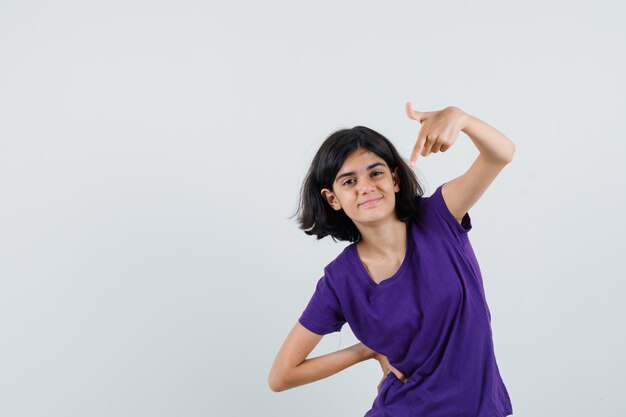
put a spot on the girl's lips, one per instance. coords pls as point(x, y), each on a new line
point(371, 202)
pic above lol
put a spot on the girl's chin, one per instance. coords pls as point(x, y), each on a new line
point(371, 217)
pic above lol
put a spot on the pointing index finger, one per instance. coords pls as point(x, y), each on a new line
point(417, 148)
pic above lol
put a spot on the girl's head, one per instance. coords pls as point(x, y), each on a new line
point(352, 167)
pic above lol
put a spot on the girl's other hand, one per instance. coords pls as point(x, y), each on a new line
point(439, 130)
point(384, 364)
point(387, 367)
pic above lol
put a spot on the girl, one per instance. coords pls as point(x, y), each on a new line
point(409, 284)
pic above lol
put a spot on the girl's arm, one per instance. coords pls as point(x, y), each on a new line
point(439, 132)
point(321, 367)
point(291, 369)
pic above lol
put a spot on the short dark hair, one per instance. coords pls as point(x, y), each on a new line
point(317, 217)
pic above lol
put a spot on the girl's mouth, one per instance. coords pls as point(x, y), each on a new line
point(371, 202)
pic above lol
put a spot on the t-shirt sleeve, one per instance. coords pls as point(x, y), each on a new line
point(435, 213)
point(323, 313)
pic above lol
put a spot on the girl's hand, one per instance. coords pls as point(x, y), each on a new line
point(384, 364)
point(439, 130)
point(386, 367)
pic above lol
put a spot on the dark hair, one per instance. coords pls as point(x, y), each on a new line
point(317, 217)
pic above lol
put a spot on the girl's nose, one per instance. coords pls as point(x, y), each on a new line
point(367, 185)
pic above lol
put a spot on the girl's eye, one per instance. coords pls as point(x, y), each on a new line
point(347, 182)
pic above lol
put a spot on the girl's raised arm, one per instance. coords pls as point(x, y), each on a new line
point(439, 132)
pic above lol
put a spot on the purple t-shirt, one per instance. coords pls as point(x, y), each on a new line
point(430, 319)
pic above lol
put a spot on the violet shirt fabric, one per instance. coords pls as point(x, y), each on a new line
point(430, 319)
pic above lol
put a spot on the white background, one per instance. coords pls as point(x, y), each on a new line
point(151, 154)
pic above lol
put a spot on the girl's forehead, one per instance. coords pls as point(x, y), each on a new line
point(361, 157)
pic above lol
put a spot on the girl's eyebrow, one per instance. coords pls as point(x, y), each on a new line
point(347, 174)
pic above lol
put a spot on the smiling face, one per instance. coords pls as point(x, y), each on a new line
point(364, 188)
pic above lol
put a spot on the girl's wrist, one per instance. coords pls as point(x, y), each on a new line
point(364, 352)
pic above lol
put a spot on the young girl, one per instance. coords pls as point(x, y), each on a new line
point(409, 284)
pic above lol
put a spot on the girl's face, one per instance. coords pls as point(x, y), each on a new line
point(364, 188)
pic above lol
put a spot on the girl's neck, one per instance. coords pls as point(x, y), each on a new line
point(384, 239)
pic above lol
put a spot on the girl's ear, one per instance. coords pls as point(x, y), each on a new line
point(396, 179)
point(331, 199)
